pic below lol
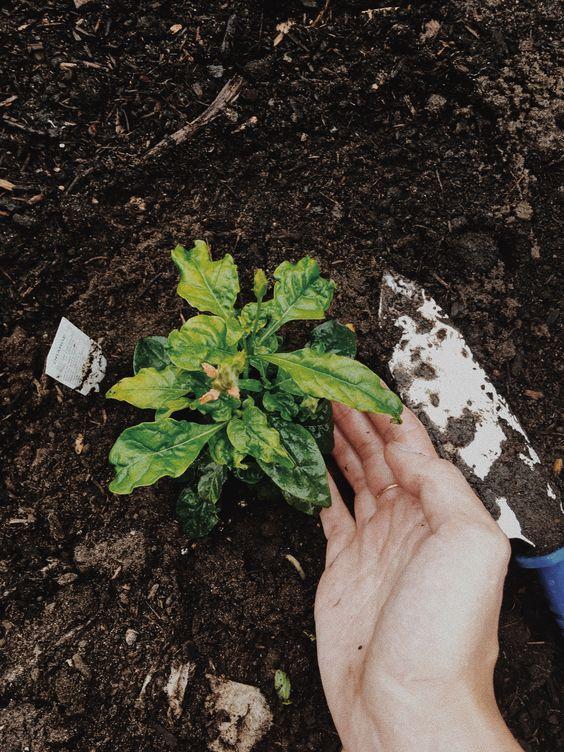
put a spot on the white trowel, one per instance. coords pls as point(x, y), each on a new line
point(437, 376)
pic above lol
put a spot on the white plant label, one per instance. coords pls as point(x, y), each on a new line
point(75, 360)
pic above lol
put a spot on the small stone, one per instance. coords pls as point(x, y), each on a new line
point(67, 578)
point(216, 71)
point(131, 637)
point(435, 104)
point(524, 211)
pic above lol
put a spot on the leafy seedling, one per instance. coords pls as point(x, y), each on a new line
point(283, 686)
point(257, 412)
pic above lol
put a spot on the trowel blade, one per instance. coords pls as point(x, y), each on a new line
point(438, 377)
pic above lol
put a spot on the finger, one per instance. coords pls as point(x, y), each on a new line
point(359, 431)
point(338, 524)
point(411, 432)
point(367, 444)
point(442, 490)
point(348, 461)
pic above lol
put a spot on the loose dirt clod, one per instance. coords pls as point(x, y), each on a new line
point(243, 715)
point(131, 637)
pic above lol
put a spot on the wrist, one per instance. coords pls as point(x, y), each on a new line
point(447, 719)
point(448, 722)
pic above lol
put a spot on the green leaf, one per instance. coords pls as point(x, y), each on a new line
point(319, 423)
point(260, 284)
point(198, 516)
point(252, 435)
point(333, 337)
point(152, 389)
point(302, 505)
point(144, 453)
point(207, 285)
point(221, 409)
point(337, 378)
point(150, 352)
point(211, 482)
point(299, 293)
point(283, 686)
point(250, 385)
point(202, 339)
point(287, 384)
point(250, 473)
point(307, 480)
point(248, 317)
point(223, 452)
point(268, 345)
point(280, 402)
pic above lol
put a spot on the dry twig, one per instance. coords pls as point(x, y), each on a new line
point(225, 97)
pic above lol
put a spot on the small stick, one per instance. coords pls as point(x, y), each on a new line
point(225, 97)
point(296, 564)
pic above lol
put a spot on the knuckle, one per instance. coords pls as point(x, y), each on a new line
point(368, 446)
point(489, 540)
point(502, 547)
point(447, 469)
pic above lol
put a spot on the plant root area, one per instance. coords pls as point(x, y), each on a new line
point(424, 137)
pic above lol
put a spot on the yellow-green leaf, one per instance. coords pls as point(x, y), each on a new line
point(153, 389)
point(250, 320)
point(201, 339)
point(337, 378)
point(223, 452)
point(146, 452)
point(252, 435)
point(299, 293)
point(207, 285)
point(260, 284)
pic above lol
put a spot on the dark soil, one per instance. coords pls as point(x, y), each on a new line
point(423, 136)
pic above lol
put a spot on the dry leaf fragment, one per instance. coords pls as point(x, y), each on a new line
point(533, 394)
point(282, 29)
point(175, 28)
point(79, 444)
point(432, 28)
point(557, 466)
point(175, 687)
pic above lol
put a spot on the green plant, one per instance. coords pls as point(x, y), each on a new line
point(260, 412)
point(283, 686)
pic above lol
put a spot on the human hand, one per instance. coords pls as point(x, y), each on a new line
point(407, 608)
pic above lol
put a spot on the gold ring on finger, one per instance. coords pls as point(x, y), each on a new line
point(387, 488)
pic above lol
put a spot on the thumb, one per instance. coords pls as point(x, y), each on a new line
point(440, 487)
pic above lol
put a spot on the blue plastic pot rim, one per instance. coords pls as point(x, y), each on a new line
point(540, 562)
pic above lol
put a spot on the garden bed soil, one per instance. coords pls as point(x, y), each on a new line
point(425, 137)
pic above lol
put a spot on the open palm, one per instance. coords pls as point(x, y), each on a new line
point(409, 601)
